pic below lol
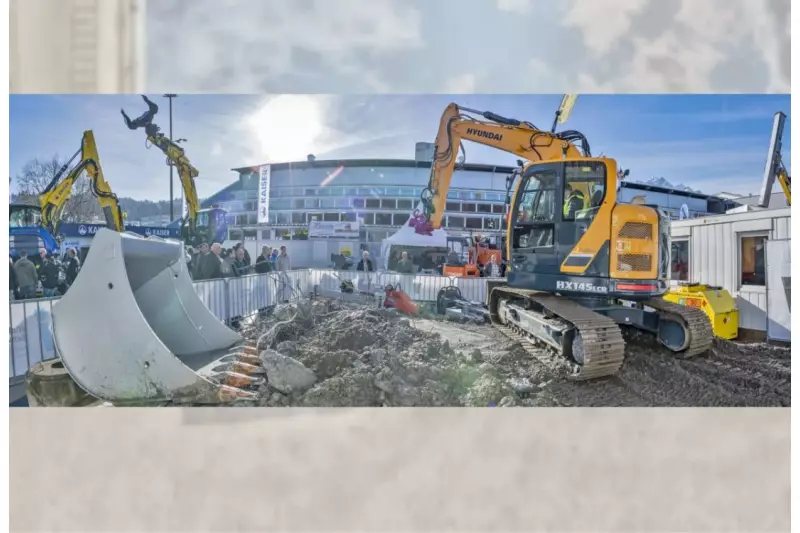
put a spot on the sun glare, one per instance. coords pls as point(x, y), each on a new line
point(289, 127)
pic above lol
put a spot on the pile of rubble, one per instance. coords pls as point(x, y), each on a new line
point(327, 353)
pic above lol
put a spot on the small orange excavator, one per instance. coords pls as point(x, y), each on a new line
point(480, 253)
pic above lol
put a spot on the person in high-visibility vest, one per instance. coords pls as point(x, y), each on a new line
point(574, 201)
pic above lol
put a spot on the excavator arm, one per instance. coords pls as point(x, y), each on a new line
point(58, 192)
point(785, 181)
point(507, 134)
point(175, 154)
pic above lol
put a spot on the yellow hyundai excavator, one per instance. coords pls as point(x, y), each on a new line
point(580, 263)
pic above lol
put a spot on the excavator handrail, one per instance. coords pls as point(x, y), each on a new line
point(510, 135)
point(53, 199)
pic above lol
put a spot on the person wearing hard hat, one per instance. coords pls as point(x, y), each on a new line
point(574, 201)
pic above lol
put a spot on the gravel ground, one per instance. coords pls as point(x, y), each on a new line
point(328, 353)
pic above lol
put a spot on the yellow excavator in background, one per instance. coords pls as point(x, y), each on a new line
point(580, 264)
point(57, 193)
point(774, 168)
point(200, 225)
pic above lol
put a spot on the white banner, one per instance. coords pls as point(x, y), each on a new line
point(265, 174)
point(333, 229)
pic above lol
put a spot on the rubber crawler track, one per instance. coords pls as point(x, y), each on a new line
point(603, 344)
point(602, 341)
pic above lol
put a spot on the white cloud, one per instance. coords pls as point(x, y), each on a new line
point(515, 6)
point(465, 83)
point(602, 22)
point(272, 38)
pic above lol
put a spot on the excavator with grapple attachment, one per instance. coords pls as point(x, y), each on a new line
point(199, 225)
point(580, 263)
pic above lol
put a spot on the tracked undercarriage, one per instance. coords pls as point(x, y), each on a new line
point(587, 333)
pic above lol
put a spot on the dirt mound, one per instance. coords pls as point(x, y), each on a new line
point(358, 356)
point(374, 357)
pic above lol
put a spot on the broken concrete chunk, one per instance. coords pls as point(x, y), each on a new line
point(285, 374)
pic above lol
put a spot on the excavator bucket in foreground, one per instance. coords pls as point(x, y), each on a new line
point(132, 329)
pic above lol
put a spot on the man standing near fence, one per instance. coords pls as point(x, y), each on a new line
point(12, 280)
point(48, 275)
point(240, 265)
point(211, 263)
point(263, 264)
point(282, 263)
point(73, 266)
point(27, 276)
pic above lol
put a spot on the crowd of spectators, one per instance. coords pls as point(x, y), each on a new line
point(43, 276)
point(216, 262)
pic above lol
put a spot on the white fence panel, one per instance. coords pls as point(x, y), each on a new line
point(214, 295)
point(31, 339)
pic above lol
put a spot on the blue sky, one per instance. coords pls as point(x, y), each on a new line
point(712, 143)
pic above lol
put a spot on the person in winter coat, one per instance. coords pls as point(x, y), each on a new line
point(27, 276)
point(211, 263)
point(240, 265)
point(263, 263)
point(12, 281)
point(73, 266)
point(365, 265)
point(246, 257)
point(48, 275)
point(282, 262)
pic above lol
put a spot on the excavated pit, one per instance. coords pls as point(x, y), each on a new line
point(329, 353)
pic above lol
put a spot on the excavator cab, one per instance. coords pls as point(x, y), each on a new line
point(568, 234)
point(27, 233)
point(459, 261)
point(211, 226)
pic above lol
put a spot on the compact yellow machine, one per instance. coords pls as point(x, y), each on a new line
point(715, 302)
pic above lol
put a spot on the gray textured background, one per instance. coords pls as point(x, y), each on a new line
point(598, 470)
point(593, 470)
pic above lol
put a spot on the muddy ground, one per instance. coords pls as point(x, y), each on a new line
point(328, 353)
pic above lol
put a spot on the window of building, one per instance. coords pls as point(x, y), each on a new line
point(298, 218)
point(249, 206)
point(679, 260)
point(373, 203)
point(250, 234)
point(235, 234)
point(350, 216)
point(311, 203)
point(369, 219)
point(359, 203)
point(406, 205)
point(266, 234)
point(392, 191)
point(484, 208)
point(252, 218)
point(330, 217)
point(474, 223)
point(378, 236)
point(298, 203)
point(342, 203)
point(453, 206)
point(584, 189)
point(383, 219)
point(327, 203)
point(499, 208)
point(454, 195)
point(468, 208)
point(455, 222)
point(399, 220)
point(492, 223)
point(365, 192)
point(310, 192)
point(407, 192)
point(241, 220)
point(284, 217)
point(389, 204)
point(284, 234)
point(752, 260)
point(351, 191)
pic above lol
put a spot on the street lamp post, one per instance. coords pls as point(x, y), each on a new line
point(171, 182)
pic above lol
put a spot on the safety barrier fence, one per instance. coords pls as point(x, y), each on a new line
point(230, 299)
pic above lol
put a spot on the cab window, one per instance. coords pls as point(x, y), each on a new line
point(584, 189)
point(538, 199)
point(24, 216)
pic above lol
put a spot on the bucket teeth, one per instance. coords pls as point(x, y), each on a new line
point(239, 381)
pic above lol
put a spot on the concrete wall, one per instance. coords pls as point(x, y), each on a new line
point(714, 255)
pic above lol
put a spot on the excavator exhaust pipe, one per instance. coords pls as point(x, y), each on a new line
point(132, 329)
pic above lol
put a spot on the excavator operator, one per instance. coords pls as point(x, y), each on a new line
point(574, 201)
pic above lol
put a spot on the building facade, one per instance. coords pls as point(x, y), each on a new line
point(377, 196)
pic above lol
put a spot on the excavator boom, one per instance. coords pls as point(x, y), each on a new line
point(176, 156)
point(58, 192)
point(506, 134)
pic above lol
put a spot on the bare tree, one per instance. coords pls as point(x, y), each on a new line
point(37, 174)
